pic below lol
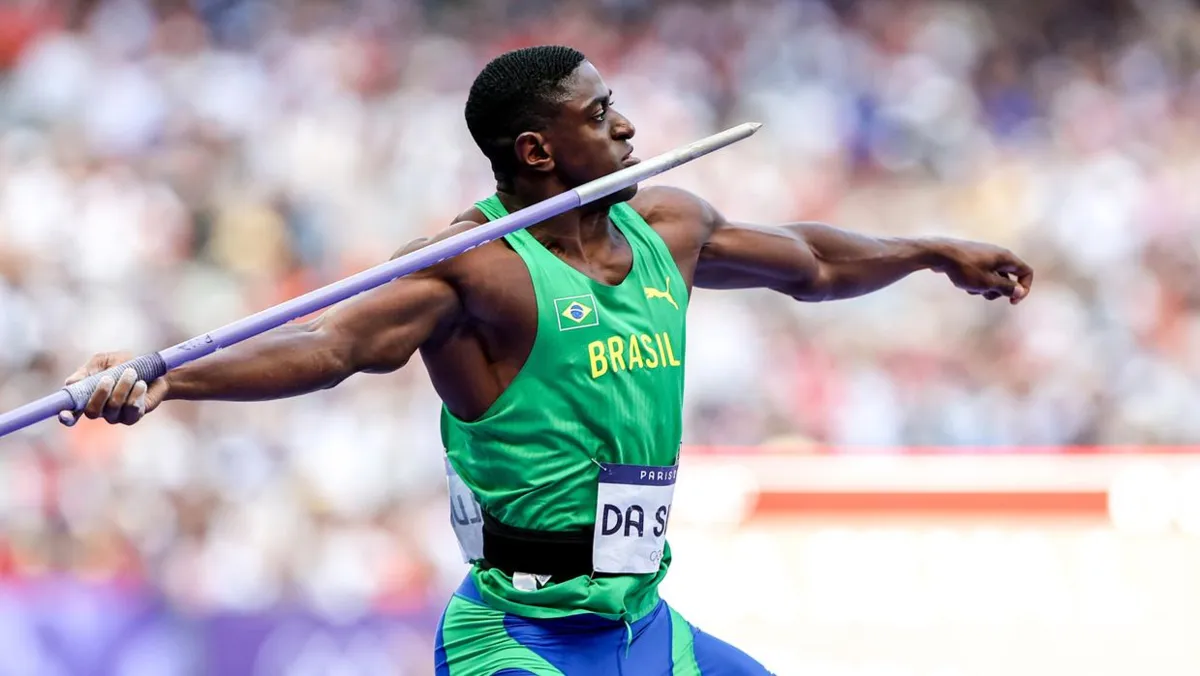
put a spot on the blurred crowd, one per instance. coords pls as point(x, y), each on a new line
point(167, 167)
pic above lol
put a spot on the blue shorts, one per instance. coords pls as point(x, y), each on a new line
point(474, 639)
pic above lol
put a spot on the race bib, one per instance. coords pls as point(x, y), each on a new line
point(466, 516)
point(633, 504)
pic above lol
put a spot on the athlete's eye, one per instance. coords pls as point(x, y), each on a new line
point(600, 116)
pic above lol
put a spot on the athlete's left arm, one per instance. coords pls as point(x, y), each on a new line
point(817, 262)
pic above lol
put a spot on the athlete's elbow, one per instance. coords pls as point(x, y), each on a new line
point(813, 284)
point(377, 360)
point(329, 355)
point(382, 368)
point(809, 294)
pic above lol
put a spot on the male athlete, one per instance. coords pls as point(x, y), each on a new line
point(558, 352)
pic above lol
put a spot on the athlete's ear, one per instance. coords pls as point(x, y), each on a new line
point(533, 151)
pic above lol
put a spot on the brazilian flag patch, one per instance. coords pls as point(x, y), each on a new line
point(576, 312)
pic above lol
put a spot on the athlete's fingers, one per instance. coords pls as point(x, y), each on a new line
point(79, 374)
point(135, 408)
point(1024, 275)
point(95, 404)
point(120, 395)
point(1001, 285)
point(97, 363)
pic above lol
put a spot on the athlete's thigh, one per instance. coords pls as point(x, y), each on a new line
point(472, 641)
point(695, 653)
point(718, 658)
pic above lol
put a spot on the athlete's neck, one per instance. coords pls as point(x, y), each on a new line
point(579, 233)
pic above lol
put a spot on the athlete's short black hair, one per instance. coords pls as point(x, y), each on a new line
point(514, 93)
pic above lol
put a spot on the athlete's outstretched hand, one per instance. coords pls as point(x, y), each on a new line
point(986, 270)
point(124, 401)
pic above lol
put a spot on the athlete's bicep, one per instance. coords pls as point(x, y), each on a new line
point(742, 256)
point(380, 330)
point(730, 255)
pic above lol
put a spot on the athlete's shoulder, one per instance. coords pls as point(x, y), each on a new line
point(468, 219)
point(453, 267)
point(666, 207)
point(667, 203)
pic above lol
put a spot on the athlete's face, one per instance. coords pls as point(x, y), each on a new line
point(589, 138)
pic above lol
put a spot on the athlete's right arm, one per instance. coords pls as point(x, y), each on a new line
point(374, 332)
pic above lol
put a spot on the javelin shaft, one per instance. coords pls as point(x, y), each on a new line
point(156, 364)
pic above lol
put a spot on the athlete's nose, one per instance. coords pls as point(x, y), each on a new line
point(623, 129)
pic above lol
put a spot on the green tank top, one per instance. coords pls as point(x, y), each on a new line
point(603, 384)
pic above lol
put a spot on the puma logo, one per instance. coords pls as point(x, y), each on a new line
point(652, 293)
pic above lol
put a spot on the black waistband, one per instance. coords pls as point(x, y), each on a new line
point(560, 554)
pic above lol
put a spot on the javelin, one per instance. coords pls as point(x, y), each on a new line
point(154, 365)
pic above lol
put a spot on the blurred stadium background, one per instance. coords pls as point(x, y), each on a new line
point(916, 483)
